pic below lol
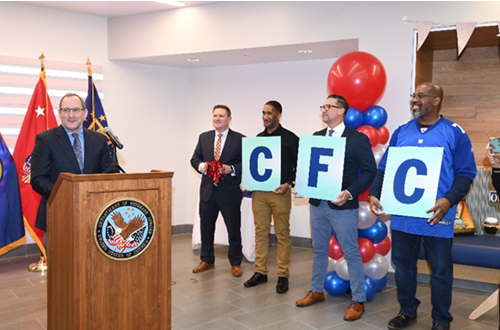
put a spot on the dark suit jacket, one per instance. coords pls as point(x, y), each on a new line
point(358, 158)
point(53, 154)
point(231, 155)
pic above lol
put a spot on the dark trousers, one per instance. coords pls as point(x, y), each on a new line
point(405, 250)
point(209, 211)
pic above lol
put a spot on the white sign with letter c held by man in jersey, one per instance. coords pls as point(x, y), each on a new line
point(411, 180)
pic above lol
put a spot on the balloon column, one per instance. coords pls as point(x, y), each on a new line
point(361, 79)
point(373, 244)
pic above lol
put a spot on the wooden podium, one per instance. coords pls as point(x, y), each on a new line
point(89, 290)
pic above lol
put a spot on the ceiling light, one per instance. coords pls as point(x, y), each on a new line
point(305, 51)
point(172, 3)
point(193, 59)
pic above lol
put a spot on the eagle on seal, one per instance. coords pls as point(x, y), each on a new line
point(125, 229)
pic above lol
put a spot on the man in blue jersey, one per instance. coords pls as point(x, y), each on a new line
point(428, 129)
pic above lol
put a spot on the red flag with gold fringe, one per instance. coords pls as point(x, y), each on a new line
point(39, 117)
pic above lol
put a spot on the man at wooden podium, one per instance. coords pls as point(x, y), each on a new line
point(218, 158)
point(66, 148)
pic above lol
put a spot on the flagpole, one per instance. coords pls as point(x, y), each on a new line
point(89, 71)
point(42, 76)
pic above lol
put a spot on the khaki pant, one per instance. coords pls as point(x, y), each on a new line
point(264, 205)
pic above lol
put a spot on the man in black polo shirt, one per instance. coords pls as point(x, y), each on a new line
point(277, 204)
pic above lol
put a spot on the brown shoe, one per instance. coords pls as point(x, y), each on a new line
point(354, 311)
point(236, 270)
point(311, 298)
point(203, 266)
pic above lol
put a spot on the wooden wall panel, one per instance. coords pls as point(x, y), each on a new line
point(471, 87)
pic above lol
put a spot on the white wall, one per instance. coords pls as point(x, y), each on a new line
point(146, 105)
point(158, 112)
point(300, 87)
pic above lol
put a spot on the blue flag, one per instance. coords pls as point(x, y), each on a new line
point(11, 213)
point(96, 118)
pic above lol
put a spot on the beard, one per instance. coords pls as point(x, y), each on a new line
point(423, 110)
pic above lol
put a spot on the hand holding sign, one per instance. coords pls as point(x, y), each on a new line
point(440, 209)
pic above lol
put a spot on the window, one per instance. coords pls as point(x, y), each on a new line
point(18, 78)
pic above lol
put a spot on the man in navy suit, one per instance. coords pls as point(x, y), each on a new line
point(54, 153)
point(224, 145)
point(341, 215)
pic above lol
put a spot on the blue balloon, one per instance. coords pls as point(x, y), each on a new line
point(353, 118)
point(334, 234)
point(381, 283)
point(376, 233)
point(334, 284)
point(375, 116)
point(370, 288)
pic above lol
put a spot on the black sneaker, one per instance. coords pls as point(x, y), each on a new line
point(282, 285)
point(439, 326)
point(400, 322)
point(256, 278)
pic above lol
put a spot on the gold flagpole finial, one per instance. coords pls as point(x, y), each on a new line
point(42, 58)
point(89, 66)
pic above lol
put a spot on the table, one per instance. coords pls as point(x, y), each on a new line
point(247, 230)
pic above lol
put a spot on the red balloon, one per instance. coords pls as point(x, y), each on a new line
point(383, 135)
point(371, 132)
point(383, 247)
point(366, 249)
point(359, 77)
point(363, 197)
point(335, 252)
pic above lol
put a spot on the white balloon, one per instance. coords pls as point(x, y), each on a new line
point(332, 263)
point(342, 269)
point(378, 152)
point(377, 267)
point(366, 217)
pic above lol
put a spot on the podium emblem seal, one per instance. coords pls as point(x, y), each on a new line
point(124, 229)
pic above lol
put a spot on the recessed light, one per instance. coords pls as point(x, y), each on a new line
point(172, 3)
point(305, 51)
point(193, 59)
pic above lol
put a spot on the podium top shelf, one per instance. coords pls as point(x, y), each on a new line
point(114, 176)
point(108, 177)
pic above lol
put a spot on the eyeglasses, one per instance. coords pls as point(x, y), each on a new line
point(420, 96)
point(75, 110)
point(327, 107)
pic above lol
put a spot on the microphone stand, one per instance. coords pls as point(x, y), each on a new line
point(114, 167)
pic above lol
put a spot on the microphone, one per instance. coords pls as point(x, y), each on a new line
point(113, 137)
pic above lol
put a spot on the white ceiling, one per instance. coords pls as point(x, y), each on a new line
point(112, 8)
point(282, 53)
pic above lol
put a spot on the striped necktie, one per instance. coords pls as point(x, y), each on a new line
point(77, 148)
point(330, 132)
point(217, 147)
